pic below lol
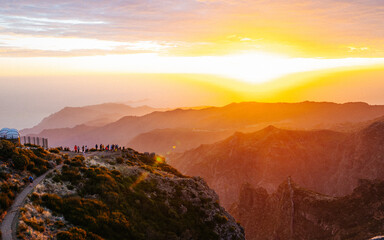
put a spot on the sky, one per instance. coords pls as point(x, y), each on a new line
point(170, 53)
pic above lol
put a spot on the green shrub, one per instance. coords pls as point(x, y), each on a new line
point(38, 226)
point(20, 161)
point(221, 219)
point(35, 170)
point(54, 150)
point(5, 201)
point(56, 178)
point(77, 234)
point(119, 160)
point(59, 224)
point(7, 149)
point(39, 151)
point(59, 161)
point(4, 175)
point(30, 166)
point(35, 198)
point(147, 159)
point(65, 235)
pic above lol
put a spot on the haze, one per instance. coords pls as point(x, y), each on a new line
point(186, 53)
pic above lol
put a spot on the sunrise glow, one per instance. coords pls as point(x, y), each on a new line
point(219, 50)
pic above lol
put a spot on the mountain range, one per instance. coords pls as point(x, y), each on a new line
point(322, 160)
point(244, 151)
point(188, 128)
point(93, 115)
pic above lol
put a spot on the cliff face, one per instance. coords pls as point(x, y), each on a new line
point(296, 213)
point(324, 161)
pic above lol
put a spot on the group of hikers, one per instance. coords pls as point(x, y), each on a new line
point(101, 147)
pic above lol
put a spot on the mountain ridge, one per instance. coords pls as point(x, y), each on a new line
point(246, 117)
point(92, 115)
point(322, 160)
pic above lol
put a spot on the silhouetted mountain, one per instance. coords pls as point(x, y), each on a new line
point(354, 127)
point(247, 116)
point(94, 115)
point(296, 213)
point(69, 135)
point(325, 161)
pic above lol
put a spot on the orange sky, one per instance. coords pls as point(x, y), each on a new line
point(218, 50)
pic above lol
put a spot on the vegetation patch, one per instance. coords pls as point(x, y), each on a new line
point(148, 200)
point(17, 163)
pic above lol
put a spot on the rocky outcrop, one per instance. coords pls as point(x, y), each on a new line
point(137, 197)
point(314, 216)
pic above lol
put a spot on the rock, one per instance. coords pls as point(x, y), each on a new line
point(312, 215)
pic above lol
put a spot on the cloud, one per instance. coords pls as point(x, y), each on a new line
point(69, 44)
point(301, 25)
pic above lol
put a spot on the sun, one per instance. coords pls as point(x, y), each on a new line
point(255, 67)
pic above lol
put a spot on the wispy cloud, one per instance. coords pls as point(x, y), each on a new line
point(320, 28)
point(69, 44)
point(42, 21)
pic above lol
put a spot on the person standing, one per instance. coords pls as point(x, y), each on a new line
point(30, 180)
point(75, 148)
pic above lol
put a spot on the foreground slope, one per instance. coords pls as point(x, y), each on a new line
point(125, 196)
point(17, 163)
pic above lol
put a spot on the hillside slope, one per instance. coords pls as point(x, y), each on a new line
point(17, 164)
point(125, 196)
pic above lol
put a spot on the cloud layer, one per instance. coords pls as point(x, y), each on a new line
point(326, 28)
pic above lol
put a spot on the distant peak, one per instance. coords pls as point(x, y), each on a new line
point(375, 129)
point(270, 128)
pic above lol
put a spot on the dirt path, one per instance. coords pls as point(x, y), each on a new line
point(8, 226)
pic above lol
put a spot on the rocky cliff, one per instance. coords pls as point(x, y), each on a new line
point(296, 213)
